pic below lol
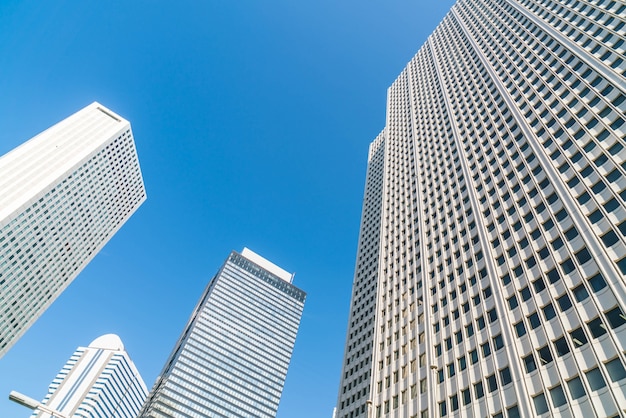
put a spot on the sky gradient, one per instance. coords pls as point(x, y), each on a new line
point(252, 122)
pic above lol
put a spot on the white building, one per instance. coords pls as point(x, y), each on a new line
point(232, 357)
point(491, 268)
point(98, 381)
point(63, 195)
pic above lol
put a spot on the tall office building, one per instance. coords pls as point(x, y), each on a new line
point(491, 267)
point(63, 195)
point(98, 381)
point(232, 357)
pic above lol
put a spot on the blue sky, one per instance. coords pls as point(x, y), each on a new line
point(252, 122)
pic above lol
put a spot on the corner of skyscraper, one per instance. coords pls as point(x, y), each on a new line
point(490, 278)
point(63, 195)
point(232, 357)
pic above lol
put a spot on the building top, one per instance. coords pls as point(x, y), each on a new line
point(108, 342)
point(31, 167)
point(267, 265)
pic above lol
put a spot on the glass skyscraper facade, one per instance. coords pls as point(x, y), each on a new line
point(98, 381)
point(232, 357)
point(491, 268)
point(63, 195)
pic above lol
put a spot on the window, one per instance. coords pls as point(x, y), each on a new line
point(564, 302)
point(512, 302)
point(513, 412)
point(541, 406)
point(539, 285)
point(597, 283)
point(486, 349)
point(596, 327)
point(615, 368)
point(534, 320)
point(525, 292)
point(480, 322)
point(580, 293)
point(505, 376)
point(520, 329)
point(466, 396)
point(558, 396)
point(545, 356)
point(492, 383)
point(548, 312)
point(498, 342)
point(493, 316)
point(615, 317)
point(595, 379)
point(462, 363)
point(451, 371)
point(576, 388)
point(561, 347)
point(454, 402)
point(578, 337)
point(469, 330)
point(479, 391)
point(473, 356)
point(442, 409)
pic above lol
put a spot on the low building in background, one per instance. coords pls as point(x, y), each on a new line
point(63, 195)
point(232, 357)
point(97, 381)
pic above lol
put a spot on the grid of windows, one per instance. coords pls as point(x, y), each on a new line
point(97, 381)
point(65, 194)
point(503, 216)
point(233, 355)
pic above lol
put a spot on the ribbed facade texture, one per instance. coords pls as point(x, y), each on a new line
point(63, 195)
point(232, 357)
point(501, 279)
point(98, 381)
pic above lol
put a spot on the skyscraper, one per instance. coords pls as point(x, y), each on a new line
point(97, 381)
point(232, 357)
point(491, 269)
point(63, 195)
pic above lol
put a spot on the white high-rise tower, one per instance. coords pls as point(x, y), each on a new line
point(97, 381)
point(63, 195)
point(491, 269)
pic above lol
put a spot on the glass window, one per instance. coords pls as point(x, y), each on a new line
point(492, 383)
point(492, 314)
point(529, 363)
point(462, 363)
point(558, 396)
point(576, 388)
point(520, 329)
point(564, 302)
point(480, 322)
point(615, 317)
point(512, 302)
point(505, 376)
point(545, 356)
point(534, 320)
point(580, 293)
point(473, 356)
point(525, 292)
point(597, 283)
point(454, 402)
point(615, 368)
point(561, 346)
point(479, 391)
point(541, 406)
point(513, 412)
point(578, 337)
point(596, 327)
point(595, 379)
point(466, 396)
point(486, 349)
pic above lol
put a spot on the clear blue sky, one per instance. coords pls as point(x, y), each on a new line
point(252, 121)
